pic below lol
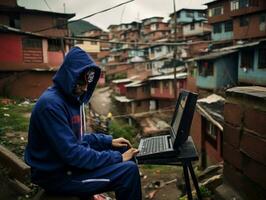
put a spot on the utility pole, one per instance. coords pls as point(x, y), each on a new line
point(175, 51)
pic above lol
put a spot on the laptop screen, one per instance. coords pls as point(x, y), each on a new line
point(181, 104)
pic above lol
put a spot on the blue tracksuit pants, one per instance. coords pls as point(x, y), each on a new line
point(123, 178)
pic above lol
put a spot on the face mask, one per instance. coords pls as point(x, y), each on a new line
point(90, 76)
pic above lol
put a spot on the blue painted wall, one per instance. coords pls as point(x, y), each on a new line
point(226, 71)
point(207, 82)
point(252, 76)
point(223, 35)
point(225, 74)
point(184, 19)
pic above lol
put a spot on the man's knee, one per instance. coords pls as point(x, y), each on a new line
point(131, 167)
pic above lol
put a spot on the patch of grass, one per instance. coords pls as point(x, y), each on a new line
point(119, 128)
point(13, 117)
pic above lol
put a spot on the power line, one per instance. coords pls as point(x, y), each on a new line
point(47, 5)
point(85, 38)
point(102, 11)
point(167, 109)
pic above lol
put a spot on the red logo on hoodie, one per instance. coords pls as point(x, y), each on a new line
point(75, 119)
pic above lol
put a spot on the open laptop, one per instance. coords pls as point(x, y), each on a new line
point(168, 145)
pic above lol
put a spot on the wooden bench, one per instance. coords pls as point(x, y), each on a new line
point(19, 172)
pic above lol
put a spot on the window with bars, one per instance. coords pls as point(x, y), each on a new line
point(238, 4)
point(54, 45)
point(217, 28)
point(32, 43)
point(228, 26)
point(219, 10)
point(247, 57)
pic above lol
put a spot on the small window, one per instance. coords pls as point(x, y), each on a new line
point(234, 5)
point(32, 43)
point(61, 23)
point(211, 133)
point(206, 68)
point(247, 57)
point(228, 26)
point(217, 28)
point(243, 21)
point(14, 21)
point(262, 56)
point(243, 3)
point(216, 11)
point(211, 130)
point(54, 45)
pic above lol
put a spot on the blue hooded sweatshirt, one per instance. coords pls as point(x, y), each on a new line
point(54, 142)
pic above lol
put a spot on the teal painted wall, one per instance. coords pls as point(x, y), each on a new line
point(226, 71)
point(184, 19)
point(252, 76)
point(225, 74)
point(223, 35)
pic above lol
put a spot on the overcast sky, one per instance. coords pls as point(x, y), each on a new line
point(134, 11)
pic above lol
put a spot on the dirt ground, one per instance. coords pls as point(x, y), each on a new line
point(160, 182)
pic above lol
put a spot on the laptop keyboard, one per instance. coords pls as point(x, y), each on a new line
point(153, 145)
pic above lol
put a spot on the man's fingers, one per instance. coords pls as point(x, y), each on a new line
point(123, 140)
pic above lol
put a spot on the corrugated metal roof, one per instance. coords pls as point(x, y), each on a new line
point(169, 76)
point(123, 99)
point(212, 55)
point(135, 84)
point(5, 28)
point(225, 51)
point(212, 108)
point(124, 80)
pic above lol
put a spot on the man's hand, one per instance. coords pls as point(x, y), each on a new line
point(129, 154)
point(121, 142)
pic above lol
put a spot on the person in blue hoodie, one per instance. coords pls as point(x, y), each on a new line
point(64, 159)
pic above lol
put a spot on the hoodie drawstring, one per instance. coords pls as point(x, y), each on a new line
point(82, 121)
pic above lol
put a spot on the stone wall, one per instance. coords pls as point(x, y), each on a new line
point(244, 144)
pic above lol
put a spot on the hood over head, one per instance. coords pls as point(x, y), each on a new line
point(76, 62)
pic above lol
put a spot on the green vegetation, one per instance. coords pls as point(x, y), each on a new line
point(14, 122)
point(118, 128)
point(13, 117)
point(205, 192)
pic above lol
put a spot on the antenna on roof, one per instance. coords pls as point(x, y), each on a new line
point(64, 5)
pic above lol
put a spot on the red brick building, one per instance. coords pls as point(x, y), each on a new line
point(28, 60)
